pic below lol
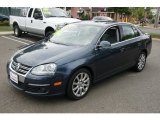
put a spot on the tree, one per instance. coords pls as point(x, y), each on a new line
point(120, 10)
point(141, 12)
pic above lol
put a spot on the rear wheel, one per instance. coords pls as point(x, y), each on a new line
point(17, 31)
point(79, 84)
point(141, 62)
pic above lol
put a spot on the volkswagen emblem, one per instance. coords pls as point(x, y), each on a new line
point(17, 66)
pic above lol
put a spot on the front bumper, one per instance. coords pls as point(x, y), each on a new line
point(37, 85)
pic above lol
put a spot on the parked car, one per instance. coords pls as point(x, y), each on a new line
point(77, 56)
point(3, 18)
point(41, 21)
point(102, 18)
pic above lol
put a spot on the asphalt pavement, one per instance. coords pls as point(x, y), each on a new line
point(126, 92)
point(150, 30)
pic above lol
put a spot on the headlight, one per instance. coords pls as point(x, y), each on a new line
point(58, 27)
point(46, 69)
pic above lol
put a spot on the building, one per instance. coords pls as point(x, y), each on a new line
point(94, 11)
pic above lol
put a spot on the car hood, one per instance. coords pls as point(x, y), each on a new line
point(61, 20)
point(45, 52)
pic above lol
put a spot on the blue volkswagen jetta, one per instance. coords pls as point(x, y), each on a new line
point(77, 56)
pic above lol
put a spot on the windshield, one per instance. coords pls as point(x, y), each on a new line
point(54, 12)
point(76, 34)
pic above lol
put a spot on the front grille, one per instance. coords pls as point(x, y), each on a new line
point(20, 68)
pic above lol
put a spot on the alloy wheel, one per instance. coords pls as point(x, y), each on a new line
point(81, 84)
point(141, 61)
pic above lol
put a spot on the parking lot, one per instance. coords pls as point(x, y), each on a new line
point(125, 92)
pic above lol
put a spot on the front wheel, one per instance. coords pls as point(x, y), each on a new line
point(49, 34)
point(141, 62)
point(79, 84)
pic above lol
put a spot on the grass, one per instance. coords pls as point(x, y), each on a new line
point(155, 35)
point(4, 26)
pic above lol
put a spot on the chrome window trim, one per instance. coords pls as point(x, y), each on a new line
point(118, 42)
point(125, 40)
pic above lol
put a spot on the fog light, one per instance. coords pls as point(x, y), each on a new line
point(57, 84)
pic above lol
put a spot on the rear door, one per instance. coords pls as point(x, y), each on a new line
point(129, 44)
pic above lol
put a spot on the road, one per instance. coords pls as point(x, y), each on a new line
point(128, 92)
point(150, 30)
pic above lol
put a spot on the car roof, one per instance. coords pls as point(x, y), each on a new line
point(102, 23)
point(102, 18)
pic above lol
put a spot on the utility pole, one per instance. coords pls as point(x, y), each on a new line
point(157, 18)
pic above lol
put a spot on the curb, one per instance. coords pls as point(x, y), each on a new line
point(150, 27)
point(156, 39)
point(6, 33)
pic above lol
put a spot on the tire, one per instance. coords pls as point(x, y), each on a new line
point(48, 34)
point(79, 84)
point(17, 31)
point(141, 62)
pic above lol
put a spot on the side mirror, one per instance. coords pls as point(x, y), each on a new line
point(104, 44)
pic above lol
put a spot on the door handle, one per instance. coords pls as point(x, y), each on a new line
point(31, 21)
point(44, 22)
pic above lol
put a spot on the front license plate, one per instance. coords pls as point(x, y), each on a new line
point(14, 77)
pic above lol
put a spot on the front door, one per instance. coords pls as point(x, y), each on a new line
point(34, 24)
point(109, 59)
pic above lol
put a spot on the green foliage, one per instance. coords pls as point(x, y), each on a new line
point(4, 23)
point(141, 12)
point(4, 26)
point(136, 12)
point(155, 35)
point(84, 17)
point(120, 10)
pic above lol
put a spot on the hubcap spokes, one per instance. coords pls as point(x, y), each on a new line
point(142, 60)
point(80, 84)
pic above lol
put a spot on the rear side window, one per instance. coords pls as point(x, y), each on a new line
point(128, 32)
point(136, 32)
point(30, 12)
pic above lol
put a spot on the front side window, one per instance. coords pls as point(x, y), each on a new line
point(111, 35)
point(128, 32)
point(37, 13)
point(76, 34)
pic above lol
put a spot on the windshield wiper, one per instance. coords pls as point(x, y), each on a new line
point(57, 43)
point(52, 16)
point(62, 16)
